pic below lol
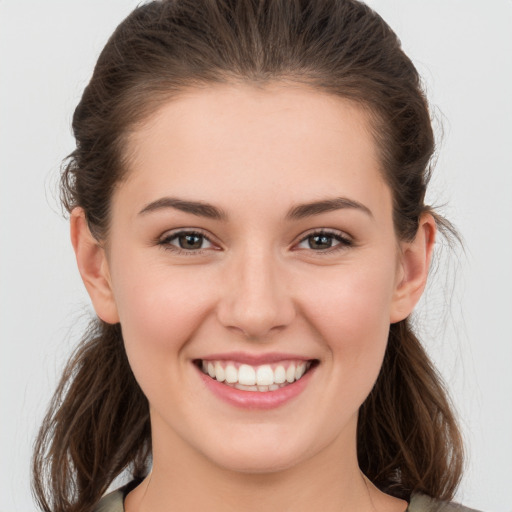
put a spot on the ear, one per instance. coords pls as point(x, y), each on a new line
point(93, 267)
point(413, 269)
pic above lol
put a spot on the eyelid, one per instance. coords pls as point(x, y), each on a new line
point(344, 239)
point(172, 234)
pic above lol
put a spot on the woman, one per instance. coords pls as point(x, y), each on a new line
point(247, 211)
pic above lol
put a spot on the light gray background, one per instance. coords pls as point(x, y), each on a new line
point(464, 51)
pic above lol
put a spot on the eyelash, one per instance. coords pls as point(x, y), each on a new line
point(165, 242)
point(343, 242)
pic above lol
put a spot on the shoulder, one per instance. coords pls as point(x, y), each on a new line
point(423, 503)
point(112, 502)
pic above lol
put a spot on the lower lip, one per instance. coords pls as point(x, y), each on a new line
point(257, 399)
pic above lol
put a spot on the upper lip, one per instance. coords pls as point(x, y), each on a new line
point(255, 359)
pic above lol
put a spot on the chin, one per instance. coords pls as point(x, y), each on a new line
point(259, 454)
point(256, 463)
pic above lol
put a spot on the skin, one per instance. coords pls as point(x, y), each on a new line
point(256, 286)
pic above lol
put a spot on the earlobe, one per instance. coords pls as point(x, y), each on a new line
point(93, 267)
point(415, 263)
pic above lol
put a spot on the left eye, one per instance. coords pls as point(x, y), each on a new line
point(323, 241)
point(187, 241)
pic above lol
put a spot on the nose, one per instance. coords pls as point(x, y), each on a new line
point(255, 298)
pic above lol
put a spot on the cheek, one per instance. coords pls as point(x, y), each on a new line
point(350, 312)
point(159, 309)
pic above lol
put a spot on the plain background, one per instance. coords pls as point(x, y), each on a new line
point(464, 51)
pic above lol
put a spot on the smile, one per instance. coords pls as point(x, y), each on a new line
point(262, 378)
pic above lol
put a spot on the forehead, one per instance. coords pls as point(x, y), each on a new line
point(214, 111)
point(230, 141)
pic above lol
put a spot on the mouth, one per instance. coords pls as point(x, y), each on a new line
point(261, 378)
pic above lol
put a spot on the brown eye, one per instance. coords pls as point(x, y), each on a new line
point(190, 242)
point(324, 241)
point(320, 241)
point(186, 241)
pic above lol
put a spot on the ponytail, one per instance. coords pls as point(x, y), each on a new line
point(97, 425)
point(408, 439)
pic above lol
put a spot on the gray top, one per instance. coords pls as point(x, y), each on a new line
point(113, 502)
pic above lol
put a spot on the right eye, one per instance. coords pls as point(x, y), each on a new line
point(186, 242)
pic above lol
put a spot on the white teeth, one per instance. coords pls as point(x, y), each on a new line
point(290, 373)
point(246, 375)
point(280, 375)
point(264, 375)
point(231, 374)
point(261, 378)
point(246, 388)
point(299, 372)
point(220, 374)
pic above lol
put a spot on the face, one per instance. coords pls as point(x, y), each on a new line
point(253, 239)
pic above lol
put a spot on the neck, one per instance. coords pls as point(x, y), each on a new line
point(186, 480)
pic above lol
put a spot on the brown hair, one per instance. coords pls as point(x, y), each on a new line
point(98, 422)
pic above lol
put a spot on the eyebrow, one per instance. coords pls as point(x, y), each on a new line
point(298, 212)
point(194, 207)
point(318, 207)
